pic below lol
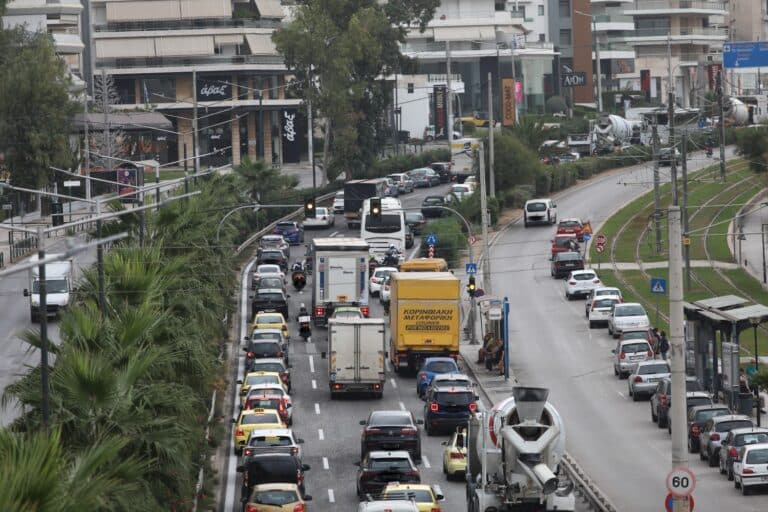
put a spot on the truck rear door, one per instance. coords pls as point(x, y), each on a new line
point(370, 352)
point(344, 347)
point(342, 280)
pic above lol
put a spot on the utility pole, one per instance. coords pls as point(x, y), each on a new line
point(721, 109)
point(597, 66)
point(514, 80)
point(671, 120)
point(656, 188)
point(87, 146)
point(43, 317)
point(677, 344)
point(686, 246)
point(449, 95)
point(105, 107)
point(194, 124)
point(310, 130)
point(484, 220)
point(491, 175)
point(100, 260)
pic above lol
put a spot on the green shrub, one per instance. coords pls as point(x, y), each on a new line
point(450, 239)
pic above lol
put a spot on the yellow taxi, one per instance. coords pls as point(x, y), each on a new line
point(455, 455)
point(256, 378)
point(270, 320)
point(277, 498)
point(253, 419)
point(425, 496)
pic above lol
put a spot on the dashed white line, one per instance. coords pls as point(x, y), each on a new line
point(425, 461)
point(386, 364)
point(317, 408)
point(402, 406)
point(394, 382)
point(331, 497)
point(314, 384)
point(312, 364)
point(621, 394)
point(333, 234)
point(325, 462)
point(320, 434)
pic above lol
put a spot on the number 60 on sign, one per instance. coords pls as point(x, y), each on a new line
point(681, 481)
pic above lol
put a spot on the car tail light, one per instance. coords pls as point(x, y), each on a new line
point(377, 386)
point(284, 377)
point(423, 376)
point(434, 407)
point(365, 311)
point(251, 508)
point(408, 431)
point(650, 353)
point(280, 354)
point(239, 432)
point(596, 281)
point(371, 431)
point(299, 477)
point(733, 452)
point(247, 452)
point(695, 431)
point(413, 474)
point(320, 311)
point(714, 437)
point(251, 355)
point(299, 508)
point(638, 379)
point(473, 407)
point(747, 471)
point(434, 509)
point(338, 386)
point(622, 355)
point(294, 450)
point(593, 306)
point(457, 455)
point(572, 281)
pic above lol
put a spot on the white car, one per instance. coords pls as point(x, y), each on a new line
point(377, 279)
point(338, 202)
point(643, 380)
point(750, 467)
point(629, 315)
point(581, 283)
point(629, 353)
point(600, 308)
point(403, 181)
point(269, 268)
point(384, 293)
point(323, 219)
point(602, 291)
point(461, 191)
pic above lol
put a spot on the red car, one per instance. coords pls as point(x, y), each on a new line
point(571, 227)
point(563, 243)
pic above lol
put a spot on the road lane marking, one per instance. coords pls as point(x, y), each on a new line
point(325, 462)
point(394, 382)
point(312, 364)
point(387, 365)
point(314, 384)
point(331, 497)
point(402, 406)
point(425, 461)
point(317, 408)
point(333, 234)
point(621, 394)
point(321, 434)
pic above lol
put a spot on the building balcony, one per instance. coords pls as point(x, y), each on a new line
point(613, 23)
point(682, 35)
point(198, 24)
point(653, 7)
point(129, 66)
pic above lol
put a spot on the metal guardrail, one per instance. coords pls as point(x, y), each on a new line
point(585, 488)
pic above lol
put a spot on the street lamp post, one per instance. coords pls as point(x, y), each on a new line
point(755, 321)
point(762, 237)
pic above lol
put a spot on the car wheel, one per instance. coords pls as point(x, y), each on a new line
point(736, 484)
point(662, 421)
point(610, 331)
point(591, 324)
point(702, 455)
point(690, 447)
point(615, 371)
point(428, 429)
point(635, 397)
point(567, 296)
point(730, 474)
point(745, 490)
point(712, 461)
point(654, 418)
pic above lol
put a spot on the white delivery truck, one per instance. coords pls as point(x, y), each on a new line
point(340, 267)
point(58, 281)
point(357, 349)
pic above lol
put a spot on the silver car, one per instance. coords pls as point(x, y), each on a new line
point(607, 291)
point(600, 308)
point(627, 316)
point(627, 354)
point(645, 377)
point(714, 431)
point(273, 440)
point(736, 438)
point(403, 181)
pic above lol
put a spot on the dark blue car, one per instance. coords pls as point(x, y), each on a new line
point(431, 367)
point(291, 231)
point(448, 407)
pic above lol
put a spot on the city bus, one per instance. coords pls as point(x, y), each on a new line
point(388, 230)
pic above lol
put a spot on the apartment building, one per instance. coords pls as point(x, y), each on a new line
point(676, 34)
point(61, 19)
point(486, 36)
point(617, 58)
point(570, 30)
point(170, 55)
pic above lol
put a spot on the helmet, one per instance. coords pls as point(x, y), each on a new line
point(391, 246)
point(302, 306)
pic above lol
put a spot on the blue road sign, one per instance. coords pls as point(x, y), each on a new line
point(471, 268)
point(431, 239)
point(751, 54)
point(658, 285)
point(587, 237)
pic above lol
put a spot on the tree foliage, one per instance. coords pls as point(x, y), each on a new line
point(752, 143)
point(35, 108)
point(348, 45)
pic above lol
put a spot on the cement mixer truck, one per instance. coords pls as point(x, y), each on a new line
point(611, 131)
point(514, 453)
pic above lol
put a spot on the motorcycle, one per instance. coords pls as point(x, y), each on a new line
point(391, 259)
point(708, 151)
point(299, 279)
point(305, 331)
point(372, 265)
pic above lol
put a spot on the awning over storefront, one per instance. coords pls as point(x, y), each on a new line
point(125, 121)
point(184, 46)
point(228, 39)
point(261, 44)
point(470, 33)
point(191, 9)
point(270, 8)
point(125, 47)
point(142, 11)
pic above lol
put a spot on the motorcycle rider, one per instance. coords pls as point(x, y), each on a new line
point(304, 329)
point(298, 266)
point(708, 146)
point(392, 256)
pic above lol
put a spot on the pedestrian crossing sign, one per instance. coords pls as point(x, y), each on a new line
point(658, 285)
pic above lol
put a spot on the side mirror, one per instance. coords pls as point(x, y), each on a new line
point(288, 296)
point(439, 497)
point(307, 498)
point(240, 381)
point(363, 422)
point(246, 338)
point(444, 443)
point(245, 349)
point(477, 398)
point(613, 351)
point(419, 422)
point(357, 463)
point(299, 441)
point(26, 292)
point(241, 407)
point(290, 366)
point(240, 469)
point(244, 500)
point(306, 467)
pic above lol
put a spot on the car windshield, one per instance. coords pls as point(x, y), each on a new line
point(454, 398)
point(266, 348)
point(606, 303)
point(654, 368)
point(440, 367)
point(382, 274)
point(630, 311)
point(703, 416)
point(264, 441)
point(727, 426)
point(270, 282)
point(607, 291)
point(564, 241)
point(432, 201)
point(321, 211)
point(285, 226)
point(254, 380)
point(269, 319)
point(536, 207)
point(263, 403)
point(52, 286)
point(697, 400)
point(758, 456)
point(568, 256)
point(635, 347)
point(460, 189)
point(414, 217)
point(275, 497)
point(266, 335)
point(268, 269)
point(389, 464)
point(272, 255)
point(693, 385)
point(259, 417)
point(634, 335)
point(386, 223)
point(269, 297)
point(389, 419)
point(395, 177)
point(759, 437)
point(584, 277)
point(268, 367)
point(569, 224)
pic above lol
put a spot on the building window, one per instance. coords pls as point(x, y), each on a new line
point(652, 26)
point(410, 88)
point(565, 8)
point(519, 12)
point(500, 5)
point(565, 37)
point(541, 10)
point(158, 90)
point(126, 90)
point(542, 38)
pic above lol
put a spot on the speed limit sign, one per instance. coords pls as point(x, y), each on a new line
point(681, 481)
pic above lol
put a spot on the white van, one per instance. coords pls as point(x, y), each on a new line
point(539, 211)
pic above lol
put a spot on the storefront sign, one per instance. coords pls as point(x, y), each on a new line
point(438, 100)
point(290, 136)
point(213, 89)
point(508, 106)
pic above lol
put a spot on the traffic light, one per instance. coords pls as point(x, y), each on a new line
point(309, 208)
point(376, 208)
point(471, 287)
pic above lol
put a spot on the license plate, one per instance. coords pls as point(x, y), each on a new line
point(654, 380)
point(304, 319)
point(635, 358)
point(341, 298)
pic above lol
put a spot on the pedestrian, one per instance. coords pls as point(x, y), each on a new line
point(663, 345)
point(494, 354)
point(483, 352)
point(655, 342)
point(743, 382)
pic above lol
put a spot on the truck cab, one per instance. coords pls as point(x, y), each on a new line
point(58, 287)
